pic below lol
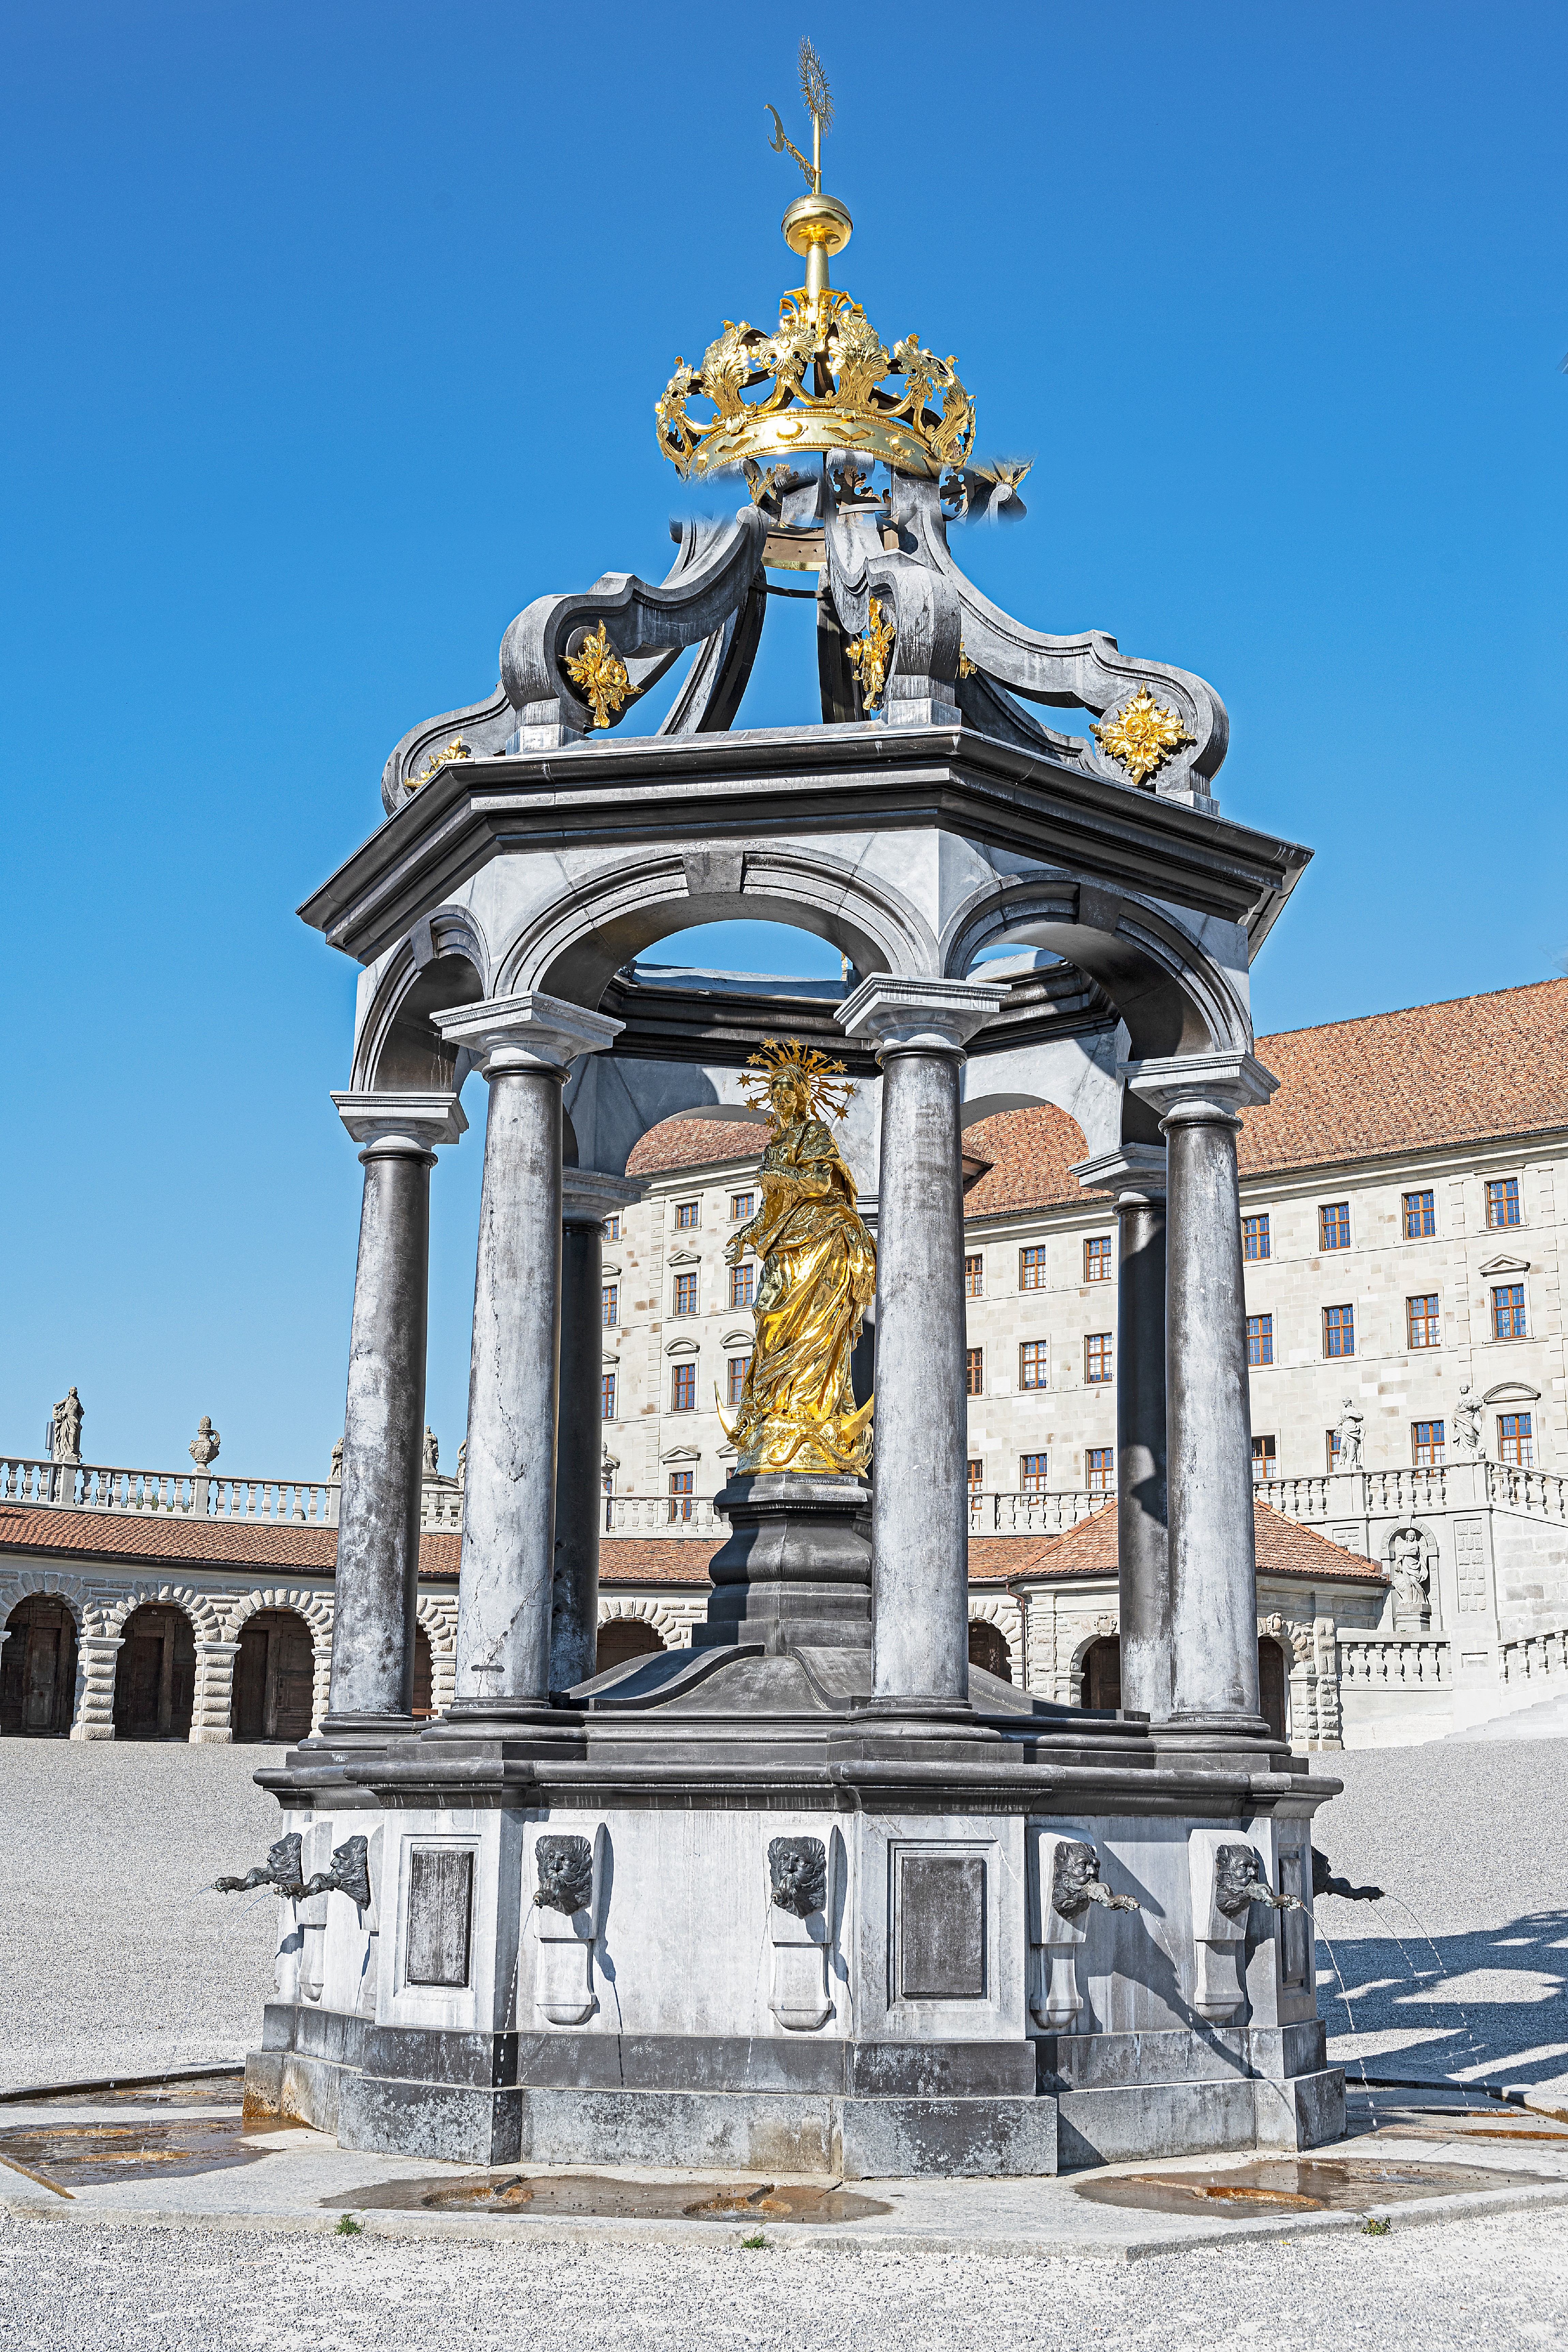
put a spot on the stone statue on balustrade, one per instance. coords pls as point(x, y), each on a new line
point(337, 1471)
point(1347, 1437)
point(1467, 1424)
point(797, 1409)
point(65, 1428)
point(1410, 1573)
point(432, 1451)
point(204, 1444)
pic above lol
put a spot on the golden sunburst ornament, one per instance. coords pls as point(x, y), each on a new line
point(600, 676)
point(1143, 738)
point(822, 1080)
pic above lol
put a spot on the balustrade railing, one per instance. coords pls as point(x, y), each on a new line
point(1032, 1515)
point(1395, 1661)
point(1536, 1657)
point(1537, 1493)
point(167, 1493)
point(661, 1515)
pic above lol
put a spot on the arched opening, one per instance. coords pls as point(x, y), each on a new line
point(988, 1650)
point(1101, 1673)
point(38, 1670)
point(423, 1676)
point(1271, 1682)
point(155, 1675)
point(623, 1638)
point(274, 1676)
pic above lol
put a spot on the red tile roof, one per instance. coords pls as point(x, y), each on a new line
point(195, 1543)
point(1285, 1548)
point(1461, 1072)
point(693, 1142)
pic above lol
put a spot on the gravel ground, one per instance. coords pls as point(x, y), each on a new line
point(1469, 1838)
point(115, 1957)
point(1460, 2284)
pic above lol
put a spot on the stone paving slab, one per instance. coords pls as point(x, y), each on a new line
point(303, 2183)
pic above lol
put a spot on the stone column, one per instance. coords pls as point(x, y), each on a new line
point(1136, 1174)
point(920, 1512)
point(384, 1421)
point(590, 1195)
point(212, 1717)
point(1213, 1558)
point(96, 1655)
point(524, 1044)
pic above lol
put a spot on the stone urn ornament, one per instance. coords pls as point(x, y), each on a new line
point(204, 1444)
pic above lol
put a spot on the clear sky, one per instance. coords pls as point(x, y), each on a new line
point(335, 331)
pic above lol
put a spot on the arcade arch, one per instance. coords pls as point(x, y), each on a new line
point(38, 1669)
point(155, 1674)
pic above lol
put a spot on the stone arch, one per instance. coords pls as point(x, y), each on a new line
point(667, 1622)
point(437, 1619)
point(1171, 994)
point(574, 950)
point(1008, 1626)
point(40, 1665)
point(201, 1608)
point(1097, 1637)
point(444, 961)
point(153, 1690)
point(316, 1609)
point(19, 1584)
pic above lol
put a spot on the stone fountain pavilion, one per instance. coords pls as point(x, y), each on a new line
point(813, 1895)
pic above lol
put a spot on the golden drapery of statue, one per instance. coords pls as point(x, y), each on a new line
point(798, 1409)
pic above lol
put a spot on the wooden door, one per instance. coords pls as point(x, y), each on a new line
point(1101, 1673)
point(1271, 1685)
point(292, 1678)
point(155, 1675)
point(38, 1669)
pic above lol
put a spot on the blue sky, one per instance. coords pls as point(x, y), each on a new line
point(336, 331)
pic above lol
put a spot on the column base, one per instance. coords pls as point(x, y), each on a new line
point(796, 1570)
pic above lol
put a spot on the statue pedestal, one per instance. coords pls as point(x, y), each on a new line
point(796, 1570)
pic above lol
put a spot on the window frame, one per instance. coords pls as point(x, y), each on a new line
point(974, 1372)
point(684, 1286)
point(1417, 1315)
point(680, 1374)
point(1265, 1465)
point(746, 1273)
point(1523, 1440)
point(682, 1496)
point(1040, 1350)
point(688, 1215)
point(1340, 1212)
point(1104, 1342)
point(609, 1306)
point(739, 1215)
point(611, 1228)
point(733, 1387)
point(606, 1395)
point(1339, 1355)
point(1508, 1186)
point(1436, 1447)
point(1424, 1231)
point(1099, 1469)
point(1097, 1245)
point(974, 1474)
point(1256, 1336)
point(974, 1273)
point(1032, 1266)
point(1033, 1481)
point(1261, 1221)
point(1511, 1291)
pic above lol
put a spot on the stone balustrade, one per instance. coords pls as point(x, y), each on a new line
point(169, 1494)
point(1395, 1662)
point(661, 1515)
point(1032, 1515)
point(1537, 1657)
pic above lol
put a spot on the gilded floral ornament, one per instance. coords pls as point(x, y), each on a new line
point(456, 750)
point(1142, 736)
point(868, 655)
point(600, 676)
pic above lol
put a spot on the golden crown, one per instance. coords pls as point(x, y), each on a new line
point(822, 1080)
point(826, 367)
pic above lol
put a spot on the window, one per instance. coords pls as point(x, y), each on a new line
point(1032, 1266)
point(681, 1505)
point(1514, 1442)
point(1097, 1358)
point(1096, 1260)
point(974, 1372)
point(1261, 1338)
point(683, 1388)
point(1331, 1437)
point(738, 1367)
point(1255, 1241)
point(1507, 1311)
point(612, 1228)
point(685, 1215)
point(1420, 1217)
point(610, 1304)
point(1421, 1322)
point(606, 1396)
point(1100, 1463)
point(1265, 1457)
point(686, 1294)
point(1339, 1330)
point(1502, 1201)
point(1427, 1449)
point(1032, 1474)
point(742, 1206)
point(1033, 1366)
point(974, 1473)
point(974, 1276)
point(1334, 1225)
point(743, 1285)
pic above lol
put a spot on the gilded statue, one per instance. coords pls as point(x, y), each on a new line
point(798, 1409)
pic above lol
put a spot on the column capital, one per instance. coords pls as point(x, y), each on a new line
point(401, 1126)
point(918, 1016)
point(588, 1195)
point(1201, 1086)
point(1133, 1172)
point(527, 1031)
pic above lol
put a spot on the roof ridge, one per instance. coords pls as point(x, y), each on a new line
point(1395, 1012)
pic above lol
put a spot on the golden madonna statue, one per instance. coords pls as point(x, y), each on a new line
point(798, 1408)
